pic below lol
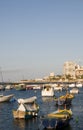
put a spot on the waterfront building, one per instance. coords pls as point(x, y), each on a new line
point(79, 71)
point(72, 69)
point(69, 68)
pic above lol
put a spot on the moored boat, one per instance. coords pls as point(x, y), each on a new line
point(28, 108)
point(6, 98)
point(57, 119)
point(47, 90)
point(57, 87)
point(27, 100)
point(20, 87)
point(74, 91)
point(64, 99)
point(8, 87)
point(2, 87)
point(72, 85)
point(79, 85)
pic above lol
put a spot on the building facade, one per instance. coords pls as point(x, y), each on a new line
point(72, 69)
point(79, 72)
point(69, 68)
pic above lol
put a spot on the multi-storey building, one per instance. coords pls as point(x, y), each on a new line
point(79, 71)
point(72, 69)
point(69, 68)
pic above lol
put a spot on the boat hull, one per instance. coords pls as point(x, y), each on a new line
point(6, 98)
point(53, 123)
point(57, 119)
point(24, 115)
point(74, 91)
point(47, 91)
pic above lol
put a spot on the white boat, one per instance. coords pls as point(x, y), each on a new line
point(8, 87)
point(5, 98)
point(79, 85)
point(57, 87)
point(36, 87)
point(27, 109)
point(47, 90)
point(2, 87)
point(27, 100)
point(74, 91)
point(71, 85)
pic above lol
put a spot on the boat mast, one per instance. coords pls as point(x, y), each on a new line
point(1, 75)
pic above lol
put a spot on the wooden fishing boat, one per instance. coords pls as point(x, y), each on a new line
point(57, 119)
point(64, 99)
point(62, 114)
point(28, 108)
point(6, 98)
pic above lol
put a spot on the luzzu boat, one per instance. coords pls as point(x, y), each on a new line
point(28, 108)
point(64, 99)
point(57, 119)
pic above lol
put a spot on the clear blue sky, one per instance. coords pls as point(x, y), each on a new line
point(38, 36)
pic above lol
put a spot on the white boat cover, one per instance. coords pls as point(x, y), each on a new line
point(27, 100)
point(21, 108)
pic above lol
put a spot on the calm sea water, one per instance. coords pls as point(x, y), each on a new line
point(47, 105)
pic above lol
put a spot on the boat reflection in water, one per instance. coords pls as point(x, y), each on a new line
point(24, 124)
point(20, 123)
point(47, 99)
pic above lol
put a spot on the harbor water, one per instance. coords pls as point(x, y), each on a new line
point(47, 105)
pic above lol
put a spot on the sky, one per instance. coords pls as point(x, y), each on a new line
point(38, 36)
